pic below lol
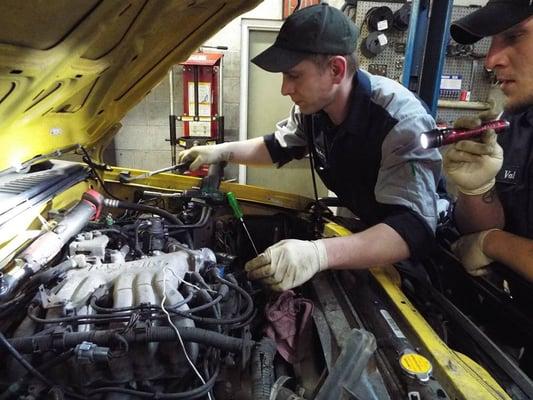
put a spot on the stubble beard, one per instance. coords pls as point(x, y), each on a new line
point(520, 105)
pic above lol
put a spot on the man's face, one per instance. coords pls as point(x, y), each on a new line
point(309, 86)
point(511, 57)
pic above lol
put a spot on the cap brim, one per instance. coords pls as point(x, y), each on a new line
point(276, 59)
point(487, 21)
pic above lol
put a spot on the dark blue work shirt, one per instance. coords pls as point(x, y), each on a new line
point(372, 161)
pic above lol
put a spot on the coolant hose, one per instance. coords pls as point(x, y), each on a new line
point(263, 369)
point(66, 340)
point(154, 210)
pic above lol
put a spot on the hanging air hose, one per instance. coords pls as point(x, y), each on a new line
point(401, 18)
point(379, 20)
point(373, 44)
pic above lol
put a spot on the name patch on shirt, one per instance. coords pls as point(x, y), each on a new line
point(508, 174)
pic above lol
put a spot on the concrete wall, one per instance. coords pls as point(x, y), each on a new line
point(141, 142)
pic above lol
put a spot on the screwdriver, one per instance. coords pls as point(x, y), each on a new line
point(124, 176)
point(237, 212)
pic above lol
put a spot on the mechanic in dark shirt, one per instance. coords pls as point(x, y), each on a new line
point(362, 132)
point(495, 202)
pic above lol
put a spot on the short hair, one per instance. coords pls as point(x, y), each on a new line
point(321, 61)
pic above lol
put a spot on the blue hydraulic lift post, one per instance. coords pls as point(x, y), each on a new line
point(435, 54)
point(415, 45)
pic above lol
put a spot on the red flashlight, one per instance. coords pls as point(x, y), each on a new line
point(442, 137)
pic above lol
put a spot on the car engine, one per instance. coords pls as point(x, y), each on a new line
point(136, 291)
point(146, 298)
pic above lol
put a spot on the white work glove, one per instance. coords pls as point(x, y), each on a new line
point(469, 250)
point(210, 154)
point(288, 263)
point(472, 166)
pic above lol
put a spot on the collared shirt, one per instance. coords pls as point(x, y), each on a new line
point(372, 161)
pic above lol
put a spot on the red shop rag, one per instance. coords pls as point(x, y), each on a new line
point(288, 323)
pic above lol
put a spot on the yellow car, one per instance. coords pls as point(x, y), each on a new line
point(112, 288)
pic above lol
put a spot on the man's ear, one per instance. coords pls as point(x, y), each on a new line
point(338, 68)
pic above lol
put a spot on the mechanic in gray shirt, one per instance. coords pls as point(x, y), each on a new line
point(362, 132)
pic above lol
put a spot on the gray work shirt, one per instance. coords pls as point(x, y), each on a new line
point(374, 157)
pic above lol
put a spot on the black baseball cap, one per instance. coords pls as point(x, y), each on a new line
point(318, 29)
point(493, 18)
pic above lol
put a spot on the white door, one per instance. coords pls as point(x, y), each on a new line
point(266, 106)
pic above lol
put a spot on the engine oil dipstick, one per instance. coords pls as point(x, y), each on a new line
point(237, 212)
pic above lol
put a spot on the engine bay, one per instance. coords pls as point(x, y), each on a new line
point(142, 298)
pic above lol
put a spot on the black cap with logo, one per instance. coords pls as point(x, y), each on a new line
point(493, 18)
point(318, 29)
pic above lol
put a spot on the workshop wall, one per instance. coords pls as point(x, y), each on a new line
point(465, 87)
point(141, 143)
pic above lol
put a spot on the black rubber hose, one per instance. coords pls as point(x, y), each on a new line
point(137, 245)
point(263, 369)
point(154, 210)
point(224, 321)
point(114, 230)
point(209, 304)
point(93, 317)
point(16, 301)
point(87, 159)
point(249, 301)
point(46, 275)
point(195, 393)
point(66, 340)
point(125, 317)
point(15, 387)
point(35, 280)
point(246, 322)
point(17, 356)
point(202, 221)
point(142, 207)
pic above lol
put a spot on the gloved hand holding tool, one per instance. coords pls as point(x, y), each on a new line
point(209, 154)
point(469, 250)
point(126, 177)
point(288, 263)
point(472, 166)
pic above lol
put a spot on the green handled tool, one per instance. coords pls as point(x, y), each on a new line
point(237, 212)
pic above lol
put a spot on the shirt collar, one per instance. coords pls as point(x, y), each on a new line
point(360, 97)
point(358, 102)
point(525, 116)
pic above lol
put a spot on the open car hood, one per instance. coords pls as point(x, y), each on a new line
point(70, 70)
